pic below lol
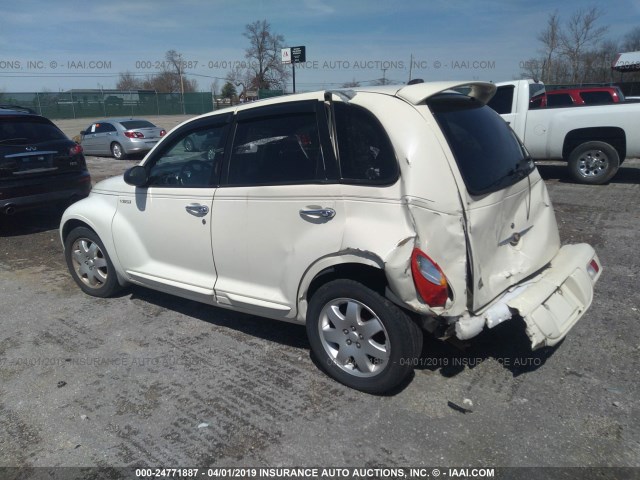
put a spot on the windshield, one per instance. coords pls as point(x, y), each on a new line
point(489, 155)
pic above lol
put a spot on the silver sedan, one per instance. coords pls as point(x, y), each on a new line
point(120, 137)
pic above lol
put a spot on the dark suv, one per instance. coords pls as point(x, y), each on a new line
point(38, 163)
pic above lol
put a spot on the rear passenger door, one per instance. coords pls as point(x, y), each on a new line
point(278, 209)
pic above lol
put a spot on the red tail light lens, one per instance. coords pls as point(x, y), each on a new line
point(75, 150)
point(163, 133)
point(134, 134)
point(593, 268)
point(429, 279)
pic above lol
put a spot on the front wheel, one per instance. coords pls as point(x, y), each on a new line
point(89, 263)
point(360, 338)
point(593, 163)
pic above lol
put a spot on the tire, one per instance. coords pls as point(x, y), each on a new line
point(360, 338)
point(117, 151)
point(188, 145)
point(89, 263)
point(593, 163)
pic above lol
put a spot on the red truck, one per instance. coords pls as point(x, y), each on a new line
point(577, 96)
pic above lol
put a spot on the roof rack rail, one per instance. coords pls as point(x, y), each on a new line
point(18, 108)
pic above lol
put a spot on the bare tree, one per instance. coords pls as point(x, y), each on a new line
point(631, 42)
point(582, 34)
point(128, 81)
point(352, 84)
point(264, 68)
point(550, 39)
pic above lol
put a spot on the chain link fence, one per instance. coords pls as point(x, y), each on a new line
point(91, 103)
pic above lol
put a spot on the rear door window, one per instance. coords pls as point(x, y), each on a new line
point(591, 98)
point(277, 147)
point(488, 153)
point(559, 100)
point(365, 151)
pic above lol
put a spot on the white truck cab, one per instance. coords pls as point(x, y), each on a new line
point(593, 139)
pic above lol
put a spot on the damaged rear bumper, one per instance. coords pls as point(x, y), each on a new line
point(550, 303)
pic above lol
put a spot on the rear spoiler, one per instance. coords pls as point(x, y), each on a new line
point(418, 93)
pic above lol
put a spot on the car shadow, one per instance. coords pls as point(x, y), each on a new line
point(549, 171)
point(507, 344)
point(26, 222)
point(285, 333)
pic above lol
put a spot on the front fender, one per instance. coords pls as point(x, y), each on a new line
point(95, 212)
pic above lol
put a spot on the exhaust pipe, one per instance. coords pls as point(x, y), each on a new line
point(9, 210)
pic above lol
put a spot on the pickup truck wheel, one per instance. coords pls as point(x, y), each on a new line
point(360, 338)
point(593, 163)
point(89, 263)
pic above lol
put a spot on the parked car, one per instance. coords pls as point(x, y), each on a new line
point(39, 165)
point(577, 96)
point(593, 140)
point(368, 215)
point(120, 137)
point(201, 142)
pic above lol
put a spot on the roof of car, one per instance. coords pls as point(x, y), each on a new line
point(414, 94)
point(15, 110)
point(121, 119)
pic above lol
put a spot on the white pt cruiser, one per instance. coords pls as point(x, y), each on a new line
point(370, 215)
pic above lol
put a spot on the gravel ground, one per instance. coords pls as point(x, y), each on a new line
point(146, 379)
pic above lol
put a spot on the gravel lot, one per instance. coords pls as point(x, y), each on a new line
point(146, 379)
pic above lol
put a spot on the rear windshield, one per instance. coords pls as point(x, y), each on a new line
point(488, 153)
point(131, 124)
point(28, 130)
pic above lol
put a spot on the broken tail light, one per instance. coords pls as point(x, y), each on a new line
point(429, 279)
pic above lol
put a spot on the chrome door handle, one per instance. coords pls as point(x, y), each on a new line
point(197, 210)
point(322, 212)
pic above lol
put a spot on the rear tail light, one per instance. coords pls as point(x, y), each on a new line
point(593, 269)
point(134, 134)
point(429, 279)
point(75, 150)
point(163, 133)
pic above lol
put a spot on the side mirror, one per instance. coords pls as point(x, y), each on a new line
point(136, 176)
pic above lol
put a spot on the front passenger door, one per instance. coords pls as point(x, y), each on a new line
point(162, 232)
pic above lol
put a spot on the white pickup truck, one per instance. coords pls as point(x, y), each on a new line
point(593, 139)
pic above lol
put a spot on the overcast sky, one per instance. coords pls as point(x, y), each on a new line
point(46, 45)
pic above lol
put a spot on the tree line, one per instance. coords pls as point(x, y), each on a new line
point(572, 51)
point(577, 50)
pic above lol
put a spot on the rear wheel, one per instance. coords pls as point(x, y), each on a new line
point(89, 263)
point(117, 151)
point(360, 338)
point(593, 163)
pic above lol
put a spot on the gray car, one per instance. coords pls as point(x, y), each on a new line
point(120, 137)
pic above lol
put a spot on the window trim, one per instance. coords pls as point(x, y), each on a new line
point(213, 121)
point(354, 181)
point(280, 110)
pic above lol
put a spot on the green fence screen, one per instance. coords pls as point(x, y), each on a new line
point(91, 103)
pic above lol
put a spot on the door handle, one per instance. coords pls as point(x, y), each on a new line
point(321, 212)
point(197, 209)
